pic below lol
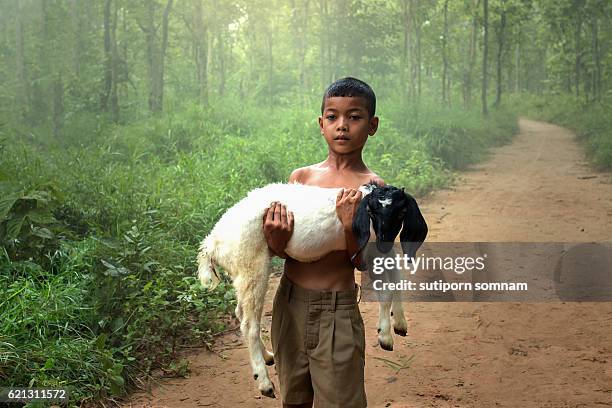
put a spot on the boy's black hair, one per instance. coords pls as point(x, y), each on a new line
point(349, 86)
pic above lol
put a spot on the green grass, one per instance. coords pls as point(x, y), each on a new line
point(99, 229)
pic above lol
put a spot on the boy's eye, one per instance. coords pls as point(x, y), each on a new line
point(356, 117)
point(330, 117)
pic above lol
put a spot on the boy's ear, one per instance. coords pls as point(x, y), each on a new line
point(373, 125)
point(361, 223)
point(414, 229)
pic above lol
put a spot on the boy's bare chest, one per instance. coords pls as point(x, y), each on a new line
point(327, 180)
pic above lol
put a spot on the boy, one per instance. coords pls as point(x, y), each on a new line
point(317, 331)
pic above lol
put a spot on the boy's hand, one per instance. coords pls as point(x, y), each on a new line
point(347, 202)
point(277, 228)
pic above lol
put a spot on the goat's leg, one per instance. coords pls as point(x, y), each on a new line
point(400, 326)
point(268, 356)
point(385, 298)
point(384, 326)
point(250, 292)
point(238, 312)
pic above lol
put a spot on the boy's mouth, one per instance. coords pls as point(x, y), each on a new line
point(341, 137)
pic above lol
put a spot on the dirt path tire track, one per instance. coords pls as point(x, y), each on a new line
point(539, 188)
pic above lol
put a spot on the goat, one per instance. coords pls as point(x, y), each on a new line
point(237, 244)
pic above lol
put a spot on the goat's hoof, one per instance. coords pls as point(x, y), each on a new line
point(269, 358)
point(400, 332)
point(255, 377)
point(385, 346)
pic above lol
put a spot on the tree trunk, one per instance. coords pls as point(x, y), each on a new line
point(444, 55)
point(58, 105)
point(270, 64)
point(200, 41)
point(162, 57)
point(485, 56)
point(467, 96)
point(23, 90)
point(299, 17)
point(418, 52)
point(323, 44)
point(597, 58)
point(500, 34)
point(114, 100)
point(39, 109)
point(578, 51)
point(124, 56)
point(404, 61)
point(517, 65)
point(221, 59)
point(79, 36)
point(412, 21)
point(107, 82)
point(156, 55)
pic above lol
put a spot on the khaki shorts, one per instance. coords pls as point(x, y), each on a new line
point(319, 346)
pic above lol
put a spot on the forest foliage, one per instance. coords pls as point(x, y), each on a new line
point(128, 127)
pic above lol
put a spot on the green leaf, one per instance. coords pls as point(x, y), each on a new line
point(13, 227)
point(42, 233)
point(49, 364)
point(6, 204)
point(41, 216)
point(100, 341)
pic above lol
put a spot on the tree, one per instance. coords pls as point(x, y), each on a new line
point(500, 34)
point(156, 52)
point(485, 56)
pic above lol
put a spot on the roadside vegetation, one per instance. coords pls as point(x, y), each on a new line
point(99, 234)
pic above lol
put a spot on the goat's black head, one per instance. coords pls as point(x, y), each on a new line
point(391, 210)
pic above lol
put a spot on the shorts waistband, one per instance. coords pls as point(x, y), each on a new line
point(320, 297)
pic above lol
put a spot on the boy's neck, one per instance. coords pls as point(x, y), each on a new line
point(341, 162)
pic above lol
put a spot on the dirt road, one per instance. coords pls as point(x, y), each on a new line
point(539, 188)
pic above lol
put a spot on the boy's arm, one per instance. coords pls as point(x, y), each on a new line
point(277, 228)
point(278, 224)
point(346, 207)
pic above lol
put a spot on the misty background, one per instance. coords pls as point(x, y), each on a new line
point(128, 127)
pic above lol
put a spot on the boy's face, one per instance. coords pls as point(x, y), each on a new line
point(345, 124)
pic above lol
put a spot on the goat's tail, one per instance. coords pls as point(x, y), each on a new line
point(207, 273)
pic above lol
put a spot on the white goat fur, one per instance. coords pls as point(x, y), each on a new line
point(237, 243)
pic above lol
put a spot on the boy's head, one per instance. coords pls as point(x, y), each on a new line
point(348, 115)
point(349, 86)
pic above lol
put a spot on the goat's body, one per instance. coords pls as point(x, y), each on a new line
point(316, 226)
point(237, 243)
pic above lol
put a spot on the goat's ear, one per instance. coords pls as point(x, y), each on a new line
point(361, 223)
point(414, 229)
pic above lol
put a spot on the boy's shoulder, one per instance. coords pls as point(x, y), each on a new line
point(299, 175)
point(317, 172)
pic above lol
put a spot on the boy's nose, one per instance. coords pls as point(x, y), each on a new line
point(342, 125)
